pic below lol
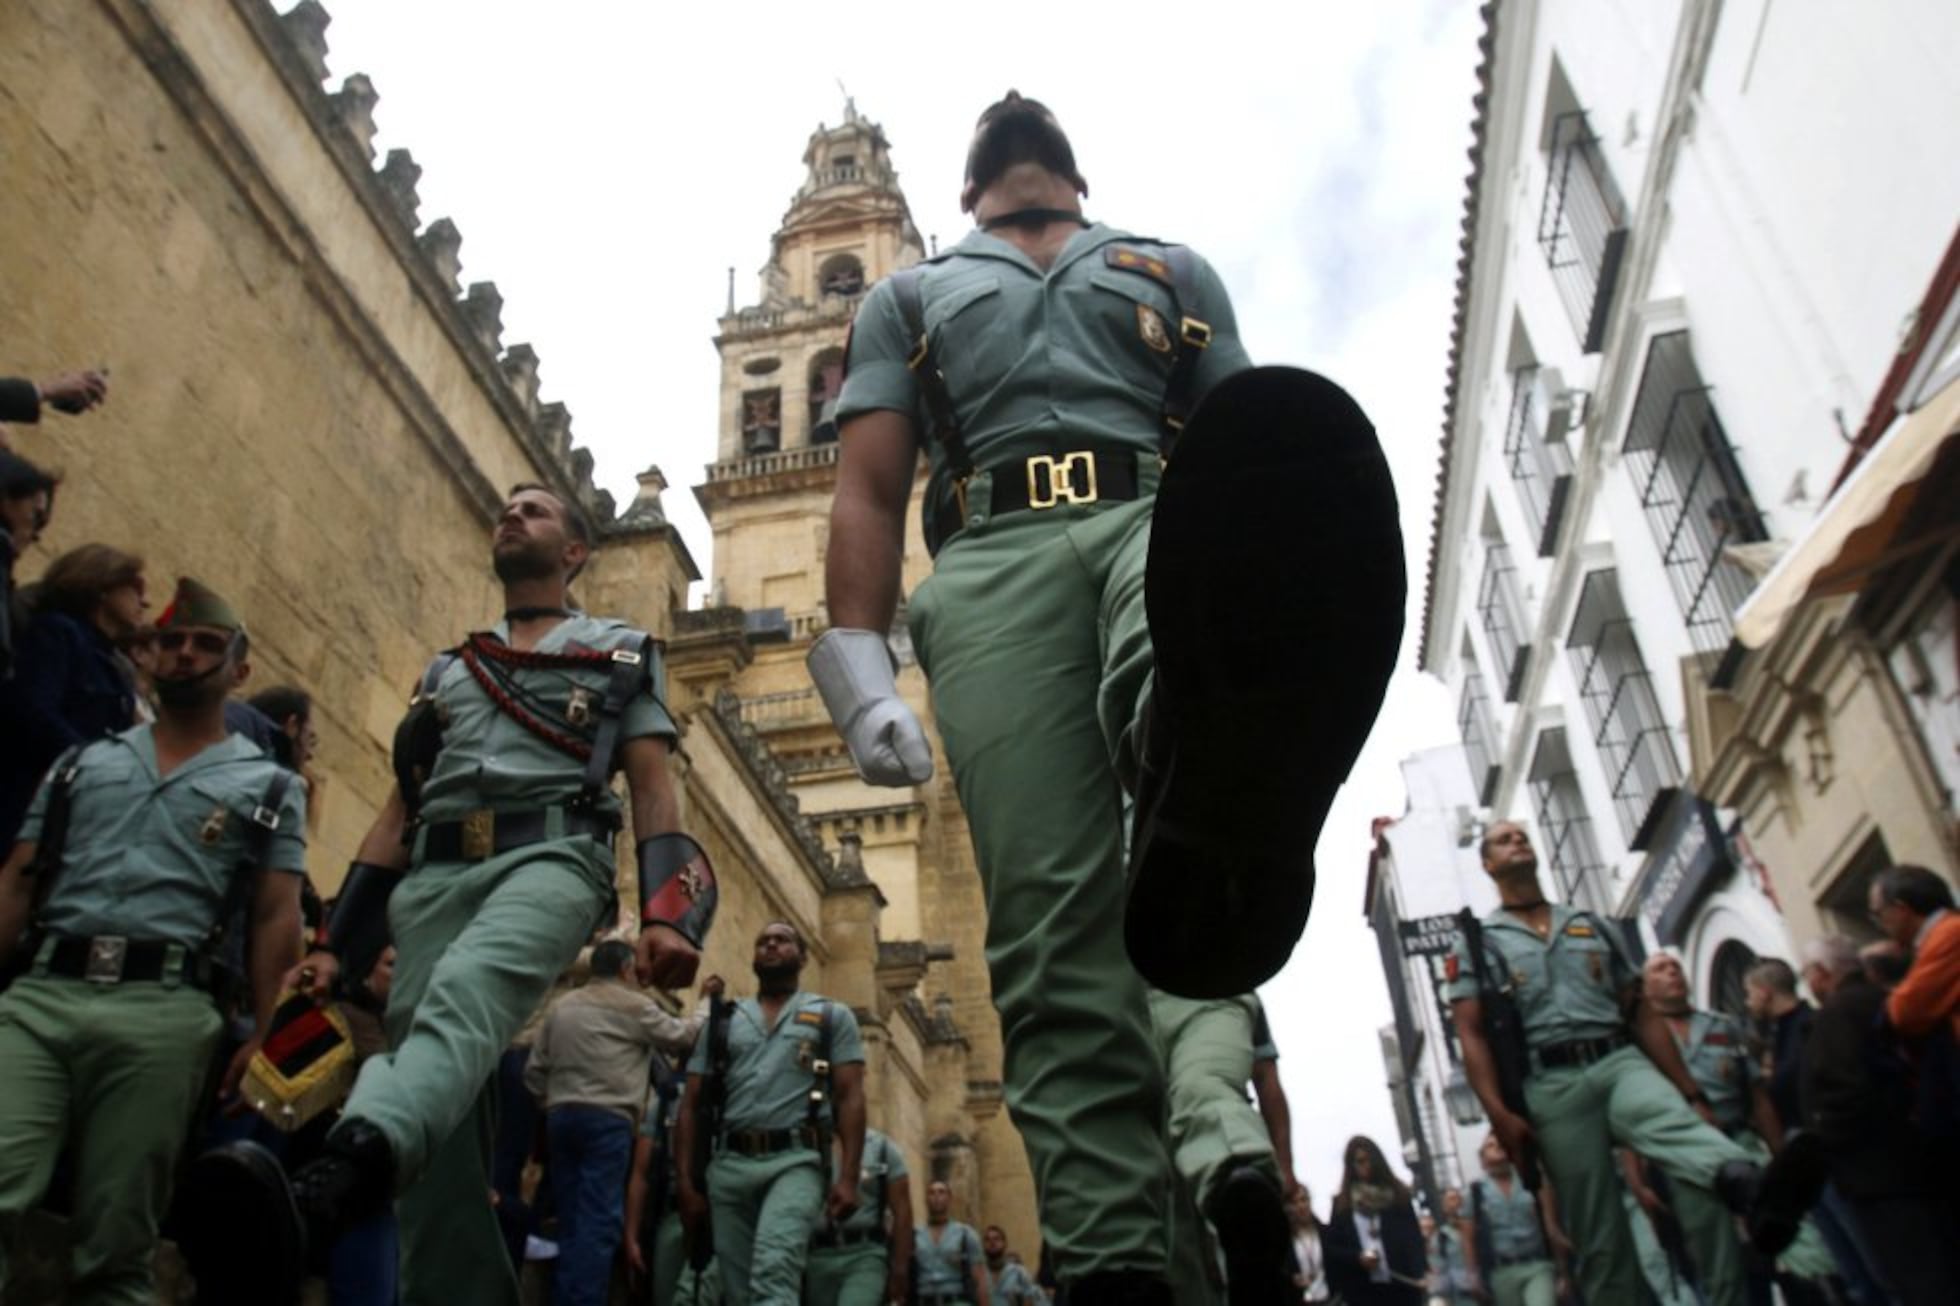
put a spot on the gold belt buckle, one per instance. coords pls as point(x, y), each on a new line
point(1061, 479)
point(479, 834)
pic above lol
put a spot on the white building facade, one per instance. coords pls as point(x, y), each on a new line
point(1694, 234)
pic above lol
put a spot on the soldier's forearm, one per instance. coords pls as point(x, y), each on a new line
point(16, 899)
point(1651, 1032)
point(876, 462)
point(1478, 1066)
point(275, 942)
point(383, 846)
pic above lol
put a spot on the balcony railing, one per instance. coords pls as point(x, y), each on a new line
point(1565, 826)
point(1540, 467)
point(1692, 488)
point(1500, 607)
point(1642, 770)
point(1582, 227)
point(1478, 730)
point(769, 464)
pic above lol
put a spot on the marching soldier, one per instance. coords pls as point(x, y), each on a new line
point(1052, 369)
point(951, 1264)
point(135, 853)
point(493, 863)
point(866, 1260)
point(1716, 1051)
point(1603, 1068)
point(786, 1072)
point(1223, 1150)
point(1512, 1259)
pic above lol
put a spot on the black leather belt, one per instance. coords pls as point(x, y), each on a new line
point(766, 1142)
point(846, 1237)
point(111, 959)
point(1045, 481)
point(485, 833)
point(944, 1299)
point(1528, 1259)
point(1580, 1051)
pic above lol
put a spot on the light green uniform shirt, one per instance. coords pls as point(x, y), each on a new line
point(150, 858)
point(1717, 1053)
point(769, 1069)
point(944, 1266)
point(1013, 1285)
point(1263, 1047)
point(1567, 985)
point(1510, 1221)
point(883, 1164)
point(1038, 362)
point(489, 760)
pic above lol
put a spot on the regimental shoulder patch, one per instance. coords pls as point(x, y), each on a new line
point(1150, 325)
point(1452, 967)
point(213, 828)
point(1135, 260)
point(1580, 930)
point(810, 1018)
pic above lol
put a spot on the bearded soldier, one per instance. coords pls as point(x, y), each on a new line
point(493, 863)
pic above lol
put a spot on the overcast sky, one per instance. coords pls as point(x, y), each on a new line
point(607, 163)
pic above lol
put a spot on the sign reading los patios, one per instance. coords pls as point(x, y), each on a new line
point(1428, 936)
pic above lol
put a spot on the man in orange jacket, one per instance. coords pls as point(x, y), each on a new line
point(1915, 907)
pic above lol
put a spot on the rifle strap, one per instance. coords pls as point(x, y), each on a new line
point(631, 667)
point(54, 823)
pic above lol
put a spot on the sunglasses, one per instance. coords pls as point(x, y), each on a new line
point(204, 641)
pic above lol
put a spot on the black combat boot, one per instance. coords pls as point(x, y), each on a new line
point(1773, 1200)
point(1275, 590)
point(1250, 1217)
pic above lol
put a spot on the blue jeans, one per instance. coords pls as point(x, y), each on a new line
point(591, 1150)
point(363, 1267)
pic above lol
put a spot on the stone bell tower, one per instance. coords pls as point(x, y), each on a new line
point(906, 897)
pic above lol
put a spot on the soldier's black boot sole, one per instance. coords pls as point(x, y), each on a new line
point(1275, 590)
point(240, 1232)
point(1249, 1216)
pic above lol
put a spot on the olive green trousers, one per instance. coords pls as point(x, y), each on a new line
point(478, 946)
point(847, 1276)
point(1579, 1113)
point(765, 1209)
point(118, 1069)
point(1032, 634)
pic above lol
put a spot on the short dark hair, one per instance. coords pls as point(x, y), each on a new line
point(575, 521)
point(1774, 973)
point(282, 702)
point(1915, 887)
point(994, 1228)
point(610, 957)
point(19, 478)
point(802, 944)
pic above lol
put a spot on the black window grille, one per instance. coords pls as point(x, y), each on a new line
point(1642, 770)
point(1582, 226)
point(1693, 491)
point(1500, 606)
point(1565, 826)
point(1540, 467)
point(1479, 732)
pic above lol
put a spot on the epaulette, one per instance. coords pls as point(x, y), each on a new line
point(1131, 259)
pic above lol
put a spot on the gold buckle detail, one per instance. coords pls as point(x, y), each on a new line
point(959, 493)
point(1195, 333)
point(918, 354)
point(1061, 479)
point(479, 834)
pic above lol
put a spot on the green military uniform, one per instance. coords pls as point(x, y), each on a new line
point(943, 1263)
point(1717, 1054)
point(674, 1281)
point(1208, 1049)
point(850, 1265)
point(1514, 1262)
point(1032, 632)
point(765, 1183)
point(478, 944)
point(117, 1066)
point(1585, 1094)
point(1012, 1285)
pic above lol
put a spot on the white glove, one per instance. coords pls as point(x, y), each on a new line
point(855, 673)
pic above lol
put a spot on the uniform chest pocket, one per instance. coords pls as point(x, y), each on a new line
point(1134, 319)
point(1587, 960)
point(960, 301)
point(221, 817)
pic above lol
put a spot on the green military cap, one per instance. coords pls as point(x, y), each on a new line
point(197, 604)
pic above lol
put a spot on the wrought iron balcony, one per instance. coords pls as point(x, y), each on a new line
point(1500, 607)
point(1582, 227)
point(1535, 451)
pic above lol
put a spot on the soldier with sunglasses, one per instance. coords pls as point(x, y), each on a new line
point(133, 854)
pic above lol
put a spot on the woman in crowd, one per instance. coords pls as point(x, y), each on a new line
point(70, 683)
point(1309, 1257)
point(1372, 1242)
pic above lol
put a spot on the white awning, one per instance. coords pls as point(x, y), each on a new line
point(1853, 534)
